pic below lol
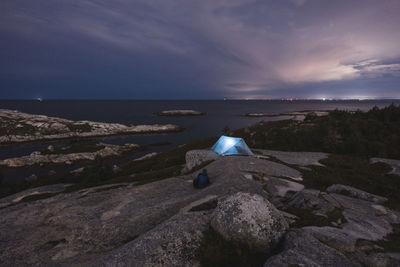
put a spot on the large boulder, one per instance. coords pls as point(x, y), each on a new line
point(249, 220)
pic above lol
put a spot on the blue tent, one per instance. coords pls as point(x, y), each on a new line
point(227, 145)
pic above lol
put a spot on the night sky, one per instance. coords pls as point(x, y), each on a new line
point(204, 49)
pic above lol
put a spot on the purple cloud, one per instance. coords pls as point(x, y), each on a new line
point(200, 49)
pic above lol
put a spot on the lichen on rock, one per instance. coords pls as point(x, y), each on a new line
point(250, 220)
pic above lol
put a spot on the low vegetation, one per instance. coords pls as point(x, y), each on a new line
point(391, 243)
point(99, 172)
point(163, 165)
point(10, 127)
point(352, 170)
point(355, 171)
point(80, 128)
point(307, 218)
point(373, 133)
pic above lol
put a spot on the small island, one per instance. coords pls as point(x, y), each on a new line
point(180, 112)
point(78, 152)
point(295, 113)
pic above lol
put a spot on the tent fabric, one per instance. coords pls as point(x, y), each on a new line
point(227, 145)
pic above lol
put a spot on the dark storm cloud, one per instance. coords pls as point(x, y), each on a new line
point(199, 49)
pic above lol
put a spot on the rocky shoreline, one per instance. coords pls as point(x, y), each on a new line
point(253, 203)
point(17, 127)
point(275, 208)
point(38, 158)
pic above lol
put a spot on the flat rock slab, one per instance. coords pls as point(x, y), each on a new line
point(172, 243)
point(333, 237)
point(394, 163)
point(280, 187)
point(75, 228)
point(249, 164)
point(314, 200)
point(296, 158)
point(267, 168)
point(365, 219)
point(302, 249)
point(48, 189)
point(354, 192)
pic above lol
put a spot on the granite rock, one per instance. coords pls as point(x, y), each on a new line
point(354, 192)
point(249, 220)
point(302, 249)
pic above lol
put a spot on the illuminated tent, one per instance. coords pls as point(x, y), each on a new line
point(227, 145)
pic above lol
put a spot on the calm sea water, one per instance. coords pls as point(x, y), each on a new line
point(218, 115)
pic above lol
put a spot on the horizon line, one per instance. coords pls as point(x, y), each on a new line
point(190, 99)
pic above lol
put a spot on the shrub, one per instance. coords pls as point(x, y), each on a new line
point(372, 133)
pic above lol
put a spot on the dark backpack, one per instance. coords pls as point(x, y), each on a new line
point(202, 180)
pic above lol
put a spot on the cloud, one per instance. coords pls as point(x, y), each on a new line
point(299, 2)
point(376, 69)
point(217, 47)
